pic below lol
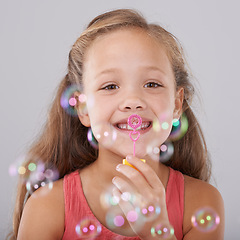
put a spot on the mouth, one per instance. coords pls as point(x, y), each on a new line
point(145, 126)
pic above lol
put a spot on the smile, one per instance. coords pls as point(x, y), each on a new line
point(126, 127)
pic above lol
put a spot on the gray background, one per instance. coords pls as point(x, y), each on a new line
point(36, 36)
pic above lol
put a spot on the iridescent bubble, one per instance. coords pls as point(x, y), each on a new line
point(205, 219)
point(118, 222)
point(132, 216)
point(32, 167)
point(105, 134)
point(126, 196)
point(91, 139)
point(153, 150)
point(149, 211)
point(69, 100)
point(162, 231)
point(18, 168)
point(21, 170)
point(166, 151)
point(115, 218)
point(165, 125)
point(107, 199)
point(179, 128)
point(88, 228)
point(40, 176)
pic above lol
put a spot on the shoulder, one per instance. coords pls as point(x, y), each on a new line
point(200, 194)
point(44, 210)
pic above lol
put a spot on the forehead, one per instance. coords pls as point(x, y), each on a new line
point(126, 49)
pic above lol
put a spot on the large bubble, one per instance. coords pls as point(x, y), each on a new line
point(179, 128)
point(205, 219)
point(34, 173)
point(70, 101)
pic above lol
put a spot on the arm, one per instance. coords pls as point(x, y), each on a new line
point(199, 194)
point(43, 214)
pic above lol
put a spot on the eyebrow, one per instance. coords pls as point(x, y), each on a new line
point(109, 70)
point(153, 68)
point(114, 70)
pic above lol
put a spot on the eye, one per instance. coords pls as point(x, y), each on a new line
point(152, 85)
point(110, 87)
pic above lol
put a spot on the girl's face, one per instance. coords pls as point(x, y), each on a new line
point(128, 72)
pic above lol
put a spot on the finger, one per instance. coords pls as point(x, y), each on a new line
point(123, 186)
point(135, 177)
point(128, 208)
point(148, 173)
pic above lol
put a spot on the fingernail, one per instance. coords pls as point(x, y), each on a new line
point(113, 179)
point(118, 167)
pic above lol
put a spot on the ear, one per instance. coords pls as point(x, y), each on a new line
point(81, 108)
point(178, 103)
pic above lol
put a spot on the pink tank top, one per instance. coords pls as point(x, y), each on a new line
point(77, 208)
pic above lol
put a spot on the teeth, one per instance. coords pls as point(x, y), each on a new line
point(127, 127)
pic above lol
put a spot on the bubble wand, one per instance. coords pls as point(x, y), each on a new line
point(134, 121)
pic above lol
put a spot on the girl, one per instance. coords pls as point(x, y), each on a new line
point(123, 66)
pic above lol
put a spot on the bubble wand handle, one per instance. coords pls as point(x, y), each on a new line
point(134, 121)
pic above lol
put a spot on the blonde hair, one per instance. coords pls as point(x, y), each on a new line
point(63, 143)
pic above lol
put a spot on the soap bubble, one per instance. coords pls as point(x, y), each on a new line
point(88, 228)
point(69, 100)
point(107, 199)
point(91, 139)
point(104, 134)
point(18, 167)
point(132, 216)
point(118, 222)
point(149, 211)
point(179, 128)
point(40, 176)
point(162, 231)
point(205, 219)
point(166, 151)
point(162, 153)
point(153, 150)
point(115, 218)
point(33, 173)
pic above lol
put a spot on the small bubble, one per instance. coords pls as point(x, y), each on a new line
point(118, 221)
point(72, 101)
point(32, 167)
point(21, 170)
point(162, 231)
point(165, 125)
point(88, 228)
point(167, 150)
point(126, 196)
point(132, 216)
point(107, 200)
point(205, 219)
point(150, 212)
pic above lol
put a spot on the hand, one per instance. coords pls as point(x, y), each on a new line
point(149, 191)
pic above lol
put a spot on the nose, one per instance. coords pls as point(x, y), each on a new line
point(133, 103)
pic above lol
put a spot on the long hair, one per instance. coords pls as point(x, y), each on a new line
point(63, 142)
